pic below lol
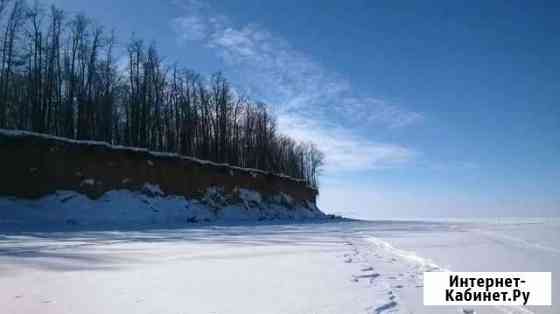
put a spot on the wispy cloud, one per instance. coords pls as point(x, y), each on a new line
point(192, 27)
point(306, 95)
point(344, 150)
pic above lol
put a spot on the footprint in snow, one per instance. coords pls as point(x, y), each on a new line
point(469, 311)
point(348, 260)
point(371, 277)
point(385, 307)
point(369, 268)
point(374, 275)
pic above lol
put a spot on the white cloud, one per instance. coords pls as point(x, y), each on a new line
point(307, 97)
point(191, 27)
point(343, 150)
point(380, 111)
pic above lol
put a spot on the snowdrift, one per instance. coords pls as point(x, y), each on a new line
point(151, 206)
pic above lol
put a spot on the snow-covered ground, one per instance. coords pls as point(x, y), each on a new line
point(337, 267)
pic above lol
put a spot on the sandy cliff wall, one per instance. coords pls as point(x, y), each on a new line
point(33, 166)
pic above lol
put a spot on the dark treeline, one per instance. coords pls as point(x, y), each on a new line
point(59, 75)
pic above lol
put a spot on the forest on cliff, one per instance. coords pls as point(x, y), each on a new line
point(59, 75)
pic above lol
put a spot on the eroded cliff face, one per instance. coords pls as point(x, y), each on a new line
point(36, 168)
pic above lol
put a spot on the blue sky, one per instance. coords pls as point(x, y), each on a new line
point(424, 109)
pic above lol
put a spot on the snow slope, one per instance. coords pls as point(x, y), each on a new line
point(337, 267)
point(150, 206)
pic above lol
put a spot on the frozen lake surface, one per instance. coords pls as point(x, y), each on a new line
point(338, 268)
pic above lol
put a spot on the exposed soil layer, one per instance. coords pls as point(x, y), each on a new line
point(34, 165)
